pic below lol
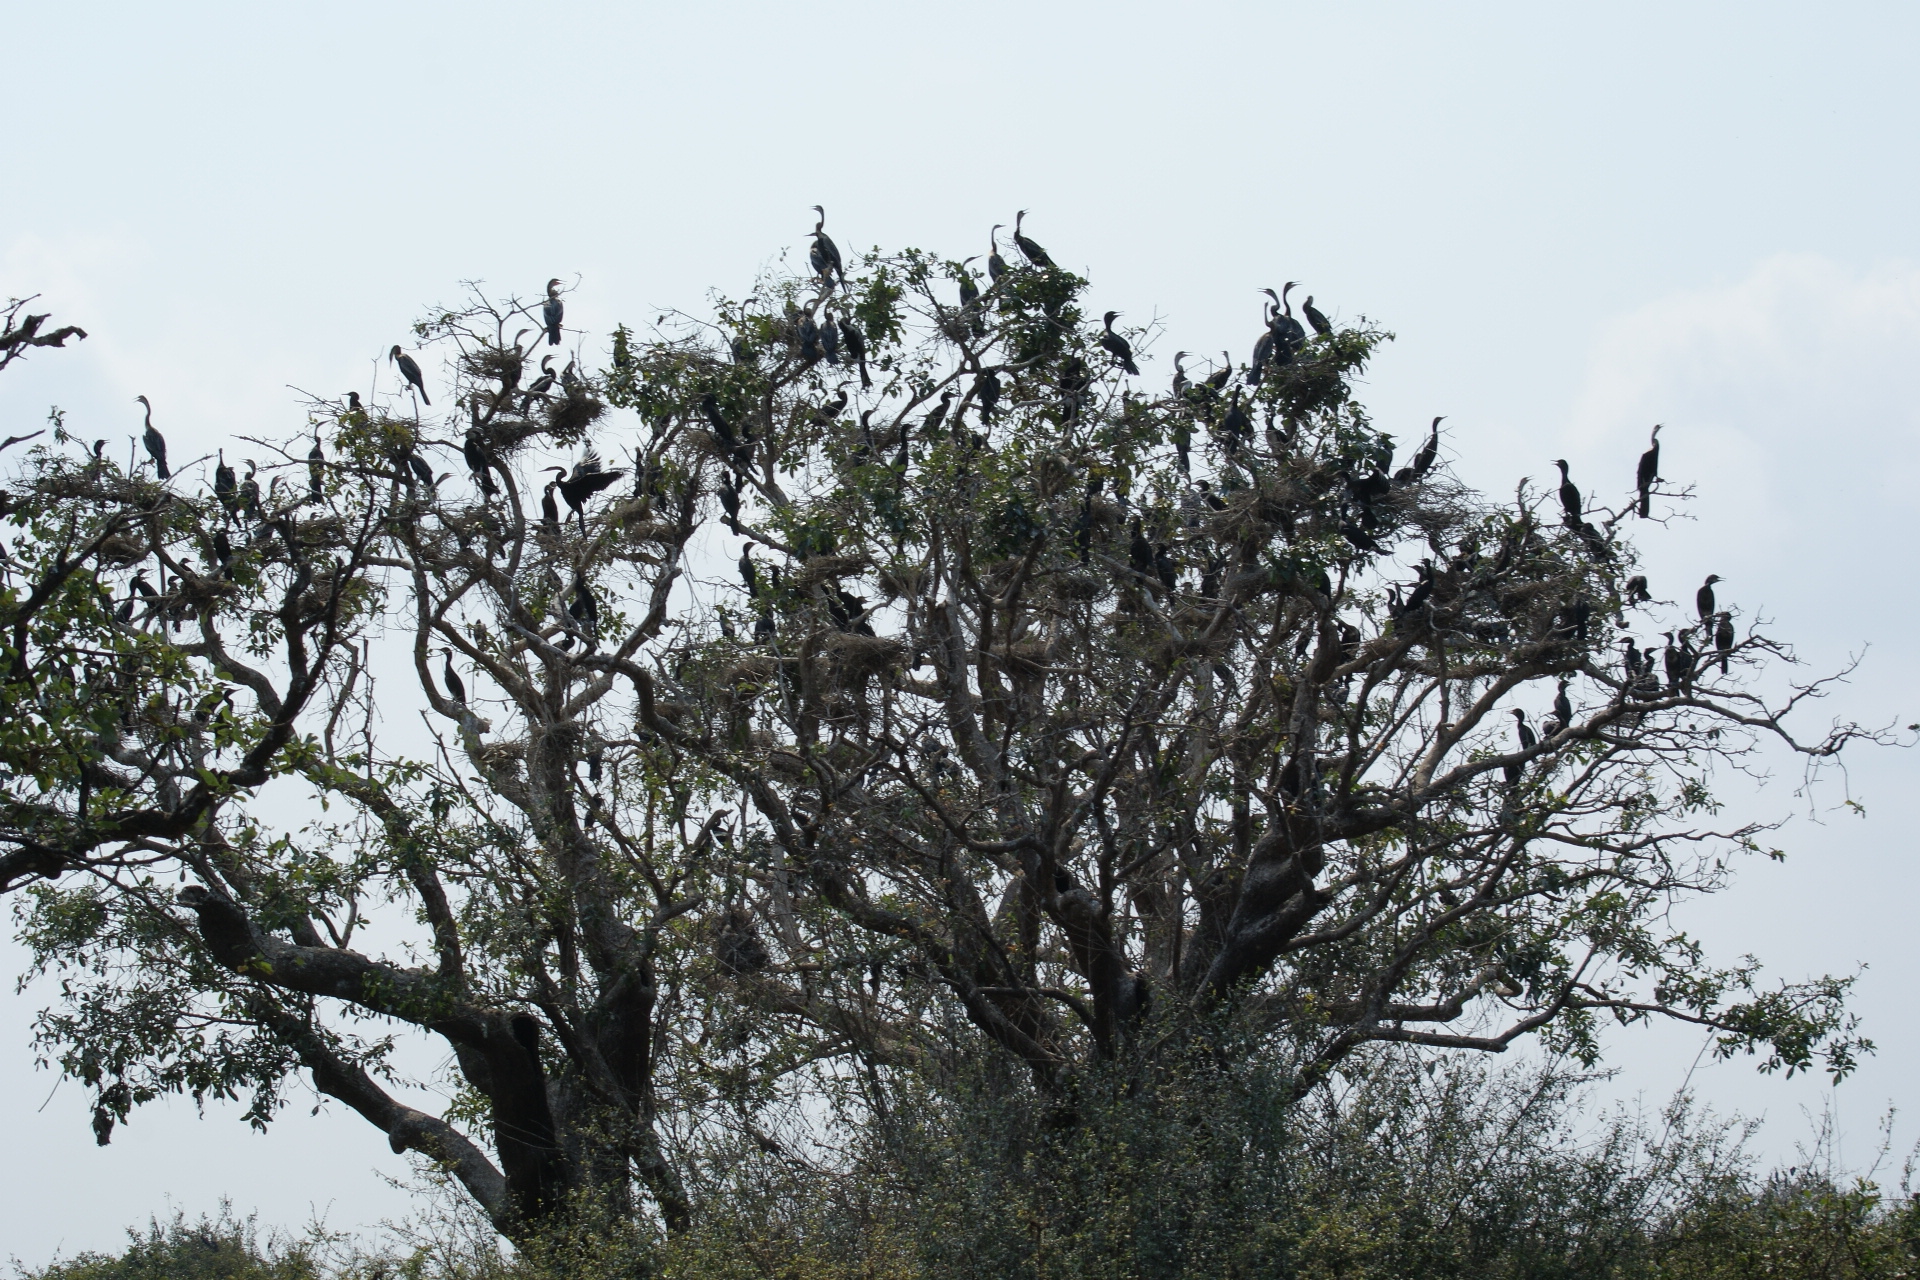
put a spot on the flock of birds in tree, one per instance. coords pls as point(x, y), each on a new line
point(1650, 673)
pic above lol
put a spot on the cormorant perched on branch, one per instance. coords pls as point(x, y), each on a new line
point(1571, 505)
point(1117, 347)
point(1236, 426)
point(553, 311)
point(1140, 551)
point(1674, 662)
point(996, 265)
point(1703, 598)
point(749, 576)
point(411, 372)
point(316, 470)
point(825, 254)
point(1528, 740)
point(549, 509)
point(930, 429)
point(856, 348)
point(479, 462)
point(1563, 706)
point(1314, 318)
point(249, 492)
point(1180, 381)
point(730, 503)
point(1636, 590)
point(455, 688)
point(586, 479)
point(1028, 249)
point(1723, 639)
point(1423, 460)
point(1648, 473)
point(155, 442)
point(1288, 334)
point(540, 386)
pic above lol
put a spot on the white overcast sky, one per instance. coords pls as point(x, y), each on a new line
point(1578, 220)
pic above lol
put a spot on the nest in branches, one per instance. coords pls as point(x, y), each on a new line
point(905, 580)
point(858, 657)
point(569, 417)
point(823, 569)
point(503, 365)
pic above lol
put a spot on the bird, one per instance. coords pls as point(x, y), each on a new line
point(553, 311)
point(1288, 335)
point(1208, 496)
point(856, 343)
point(1314, 318)
point(155, 442)
point(1180, 380)
point(1520, 726)
point(1028, 249)
point(1218, 378)
point(829, 338)
point(1673, 661)
point(749, 576)
point(418, 465)
point(410, 371)
point(1703, 598)
point(316, 469)
point(1262, 350)
point(1116, 346)
point(479, 462)
point(540, 385)
point(1140, 551)
point(1723, 639)
point(249, 492)
point(549, 509)
point(1423, 460)
point(1562, 705)
point(455, 688)
point(223, 482)
point(1648, 473)
point(1686, 660)
point(1570, 503)
point(586, 479)
point(1236, 426)
point(930, 429)
point(584, 609)
point(825, 254)
point(1636, 590)
point(730, 503)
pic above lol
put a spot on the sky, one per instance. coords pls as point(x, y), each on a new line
point(1578, 221)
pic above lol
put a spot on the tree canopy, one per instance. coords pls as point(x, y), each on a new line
point(884, 681)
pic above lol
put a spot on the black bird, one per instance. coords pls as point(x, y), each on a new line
point(540, 385)
point(1314, 318)
point(1140, 551)
point(418, 465)
point(1180, 380)
point(856, 348)
point(825, 254)
point(1527, 738)
point(1703, 598)
point(224, 487)
point(1116, 346)
point(1674, 662)
point(1562, 706)
point(249, 493)
point(930, 429)
point(316, 469)
point(730, 503)
point(1236, 426)
point(584, 609)
point(553, 311)
point(1423, 460)
point(829, 338)
point(1636, 590)
point(1648, 473)
point(809, 339)
point(100, 450)
point(1289, 337)
point(1165, 568)
point(155, 442)
point(408, 370)
point(849, 612)
point(479, 462)
point(455, 688)
point(749, 576)
point(222, 547)
point(1208, 496)
point(1723, 639)
point(1262, 351)
point(355, 410)
point(986, 389)
point(586, 479)
point(1218, 378)
point(1028, 249)
point(549, 509)
point(1687, 659)
point(970, 303)
point(996, 265)
point(1570, 503)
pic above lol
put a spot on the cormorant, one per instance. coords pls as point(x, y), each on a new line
point(1723, 639)
point(1288, 335)
point(224, 487)
point(408, 370)
point(730, 503)
point(1636, 590)
point(1648, 473)
point(419, 467)
point(1208, 496)
point(455, 688)
point(930, 429)
point(1163, 565)
point(1670, 656)
point(584, 609)
point(809, 338)
point(1314, 318)
point(1686, 661)
point(856, 348)
point(749, 576)
point(1563, 706)
point(586, 479)
point(1217, 380)
point(1116, 346)
point(316, 469)
point(1703, 598)
point(825, 254)
point(1180, 381)
point(1028, 249)
point(829, 338)
point(1570, 503)
point(1423, 460)
point(986, 389)
point(1527, 737)
point(540, 386)
point(1140, 551)
point(549, 509)
point(1237, 426)
point(553, 311)
point(155, 442)
point(249, 492)
point(479, 462)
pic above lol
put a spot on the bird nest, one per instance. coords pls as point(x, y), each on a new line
point(823, 569)
point(569, 417)
point(495, 364)
point(858, 655)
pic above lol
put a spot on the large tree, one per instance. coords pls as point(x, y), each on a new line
point(889, 678)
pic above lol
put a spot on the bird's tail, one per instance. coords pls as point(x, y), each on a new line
point(1646, 504)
